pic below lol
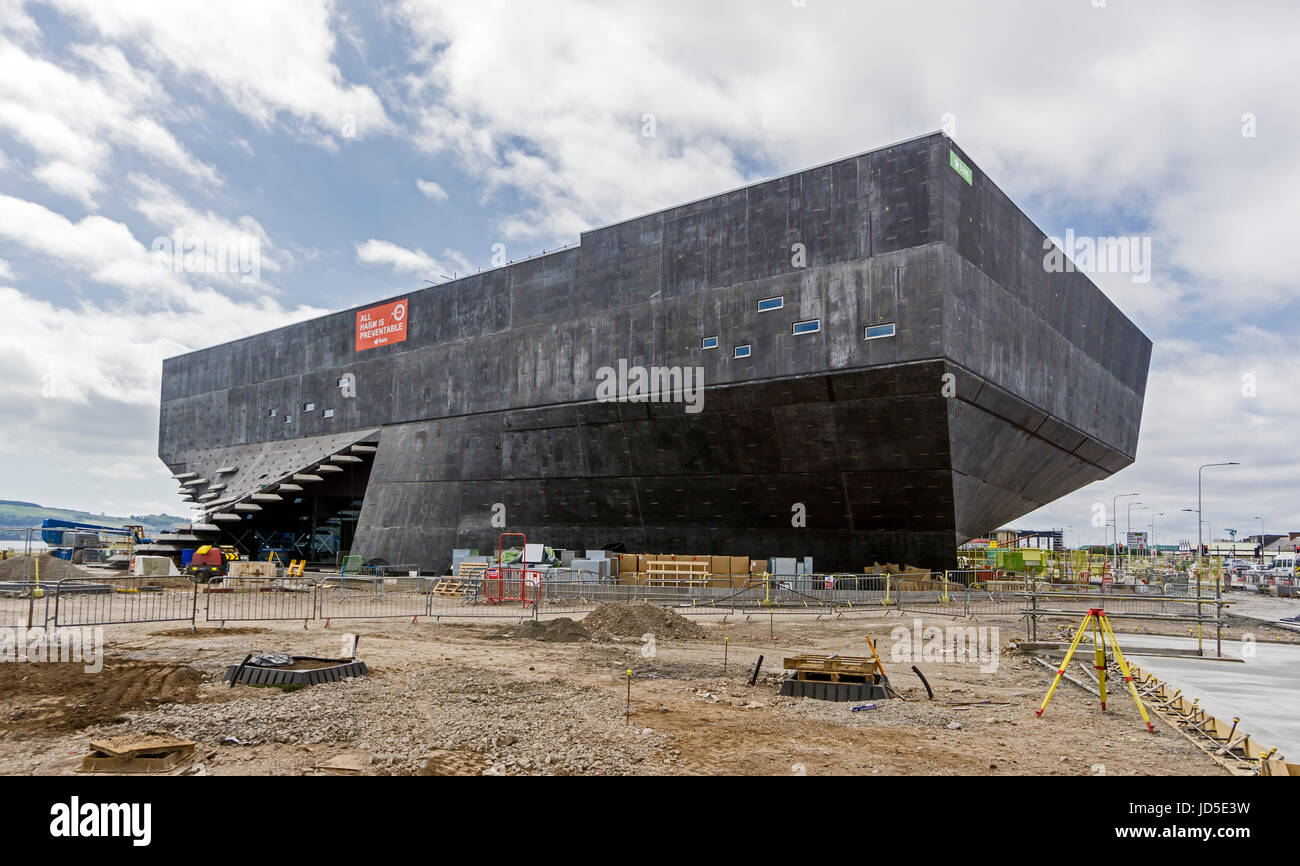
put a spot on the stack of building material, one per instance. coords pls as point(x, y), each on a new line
point(459, 555)
point(680, 571)
point(153, 566)
point(588, 569)
point(245, 568)
point(695, 569)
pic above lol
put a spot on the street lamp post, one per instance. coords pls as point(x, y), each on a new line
point(1261, 540)
point(1114, 510)
point(1128, 530)
point(1218, 584)
point(1155, 551)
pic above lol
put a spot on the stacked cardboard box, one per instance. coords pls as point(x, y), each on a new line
point(724, 571)
point(739, 570)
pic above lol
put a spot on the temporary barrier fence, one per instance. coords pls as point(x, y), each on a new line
point(373, 597)
point(24, 603)
point(82, 601)
point(256, 599)
point(516, 592)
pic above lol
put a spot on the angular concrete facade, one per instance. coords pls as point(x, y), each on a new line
point(1003, 386)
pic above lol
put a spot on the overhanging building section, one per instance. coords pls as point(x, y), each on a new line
point(922, 380)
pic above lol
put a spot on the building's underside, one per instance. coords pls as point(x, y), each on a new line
point(1002, 387)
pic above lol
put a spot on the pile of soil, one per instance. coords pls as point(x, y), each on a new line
point(45, 697)
point(562, 630)
point(24, 568)
point(634, 620)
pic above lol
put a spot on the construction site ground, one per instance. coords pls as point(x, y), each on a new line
point(485, 697)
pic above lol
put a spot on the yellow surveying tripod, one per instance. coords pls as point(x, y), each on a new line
point(1101, 634)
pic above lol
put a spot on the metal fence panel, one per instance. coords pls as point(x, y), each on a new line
point(568, 595)
point(497, 593)
point(23, 600)
point(24, 604)
point(376, 597)
point(237, 599)
point(119, 600)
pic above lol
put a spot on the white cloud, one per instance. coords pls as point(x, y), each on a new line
point(99, 247)
point(72, 121)
point(431, 190)
point(264, 59)
point(70, 180)
point(81, 381)
point(403, 260)
point(556, 126)
point(111, 348)
point(211, 232)
point(377, 252)
point(6, 271)
point(14, 19)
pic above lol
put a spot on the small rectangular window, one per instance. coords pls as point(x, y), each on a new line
point(288, 419)
point(875, 332)
point(769, 304)
point(811, 326)
point(272, 413)
point(742, 352)
point(328, 413)
point(309, 407)
point(709, 343)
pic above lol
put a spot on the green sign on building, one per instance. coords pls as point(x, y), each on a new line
point(960, 167)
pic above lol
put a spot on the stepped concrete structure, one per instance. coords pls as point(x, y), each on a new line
point(865, 361)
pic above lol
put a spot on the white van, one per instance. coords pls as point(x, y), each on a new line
point(1284, 563)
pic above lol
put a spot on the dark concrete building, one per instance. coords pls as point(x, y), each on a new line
point(888, 369)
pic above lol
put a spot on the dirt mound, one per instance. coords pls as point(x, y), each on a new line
point(52, 568)
point(634, 620)
point(49, 697)
point(562, 630)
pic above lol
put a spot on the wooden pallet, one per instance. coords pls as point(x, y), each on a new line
point(453, 587)
point(677, 573)
point(833, 669)
point(136, 753)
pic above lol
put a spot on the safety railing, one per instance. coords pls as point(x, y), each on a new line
point(377, 597)
point(23, 603)
point(1138, 602)
point(94, 600)
point(407, 570)
point(240, 599)
point(515, 592)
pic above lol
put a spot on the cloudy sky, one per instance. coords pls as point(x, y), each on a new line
point(364, 148)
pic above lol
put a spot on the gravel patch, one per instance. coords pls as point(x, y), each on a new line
point(503, 725)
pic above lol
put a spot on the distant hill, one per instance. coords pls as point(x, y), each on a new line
point(15, 514)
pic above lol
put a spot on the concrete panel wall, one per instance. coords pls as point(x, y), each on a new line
point(864, 452)
point(648, 290)
point(1052, 338)
point(491, 398)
